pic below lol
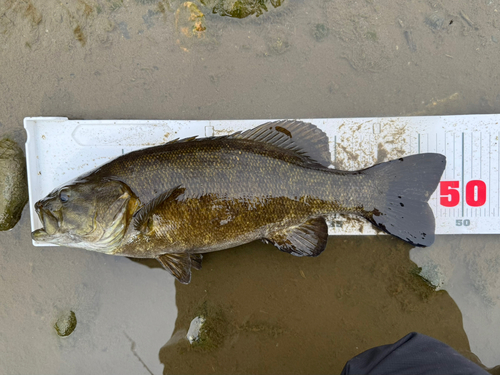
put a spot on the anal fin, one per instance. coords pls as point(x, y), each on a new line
point(179, 265)
point(196, 261)
point(307, 239)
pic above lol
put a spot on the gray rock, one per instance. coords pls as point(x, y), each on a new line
point(13, 183)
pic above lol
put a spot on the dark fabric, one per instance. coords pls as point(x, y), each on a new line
point(414, 354)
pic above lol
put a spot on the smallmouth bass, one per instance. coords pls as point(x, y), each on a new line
point(175, 201)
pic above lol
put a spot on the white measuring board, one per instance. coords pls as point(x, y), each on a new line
point(466, 201)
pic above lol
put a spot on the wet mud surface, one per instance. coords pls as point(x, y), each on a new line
point(270, 312)
point(281, 312)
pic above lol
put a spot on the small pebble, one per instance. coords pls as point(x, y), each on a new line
point(320, 32)
point(193, 333)
point(435, 21)
point(66, 324)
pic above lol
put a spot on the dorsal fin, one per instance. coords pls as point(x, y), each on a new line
point(141, 217)
point(304, 138)
point(183, 140)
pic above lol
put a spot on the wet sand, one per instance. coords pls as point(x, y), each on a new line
point(288, 315)
point(113, 59)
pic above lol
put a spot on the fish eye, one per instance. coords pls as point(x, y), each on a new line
point(63, 197)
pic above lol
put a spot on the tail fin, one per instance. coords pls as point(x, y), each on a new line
point(400, 203)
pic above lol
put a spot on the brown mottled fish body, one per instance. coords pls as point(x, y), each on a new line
point(232, 192)
point(272, 183)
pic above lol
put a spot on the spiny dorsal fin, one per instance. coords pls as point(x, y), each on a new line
point(179, 265)
point(196, 261)
point(142, 216)
point(178, 140)
point(307, 239)
point(304, 138)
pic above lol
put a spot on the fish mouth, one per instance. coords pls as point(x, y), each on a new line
point(49, 222)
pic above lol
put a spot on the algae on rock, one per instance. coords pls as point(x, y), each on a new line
point(240, 8)
point(66, 323)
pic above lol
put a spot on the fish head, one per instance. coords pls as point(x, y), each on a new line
point(90, 214)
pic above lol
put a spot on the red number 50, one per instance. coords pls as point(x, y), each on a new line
point(475, 193)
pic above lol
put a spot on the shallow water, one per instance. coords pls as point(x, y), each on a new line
point(272, 313)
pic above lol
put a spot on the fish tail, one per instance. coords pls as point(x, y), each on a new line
point(403, 188)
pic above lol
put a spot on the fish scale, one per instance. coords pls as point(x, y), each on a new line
point(233, 183)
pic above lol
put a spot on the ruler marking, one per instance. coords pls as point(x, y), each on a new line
point(445, 175)
point(454, 155)
point(418, 143)
point(335, 149)
point(463, 175)
point(489, 171)
point(437, 151)
point(472, 155)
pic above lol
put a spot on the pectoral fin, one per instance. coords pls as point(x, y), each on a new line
point(307, 239)
point(142, 218)
point(179, 265)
